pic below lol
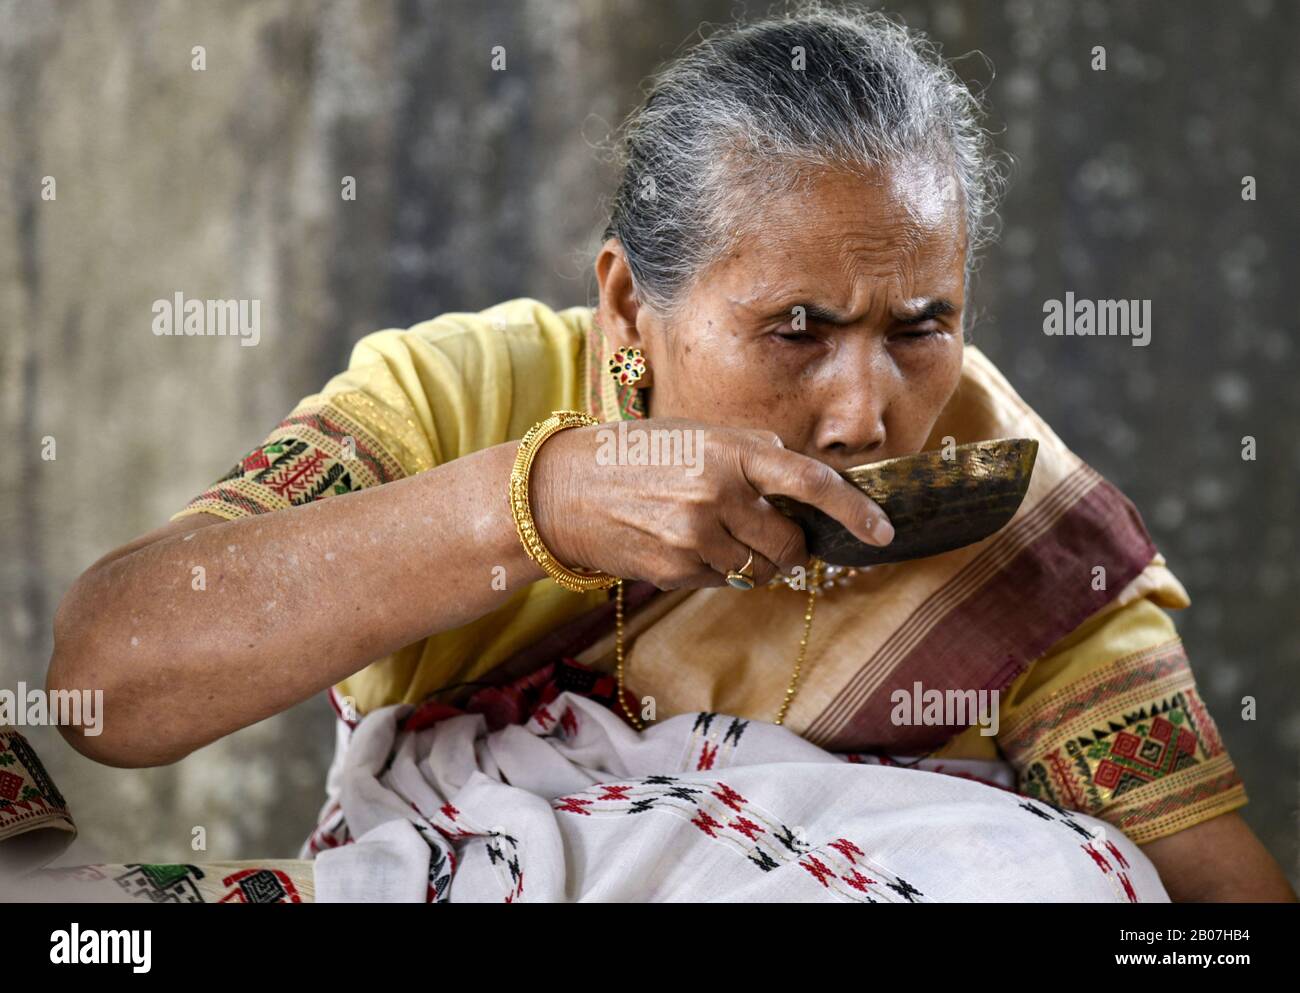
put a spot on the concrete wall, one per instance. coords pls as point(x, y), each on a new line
point(475, 186)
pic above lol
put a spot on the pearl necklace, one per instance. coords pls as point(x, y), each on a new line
point(831, 577)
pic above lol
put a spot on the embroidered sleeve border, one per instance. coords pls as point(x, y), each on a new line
point(1132, 744)
point(321, 449)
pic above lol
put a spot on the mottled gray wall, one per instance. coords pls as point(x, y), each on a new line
point(476, 186)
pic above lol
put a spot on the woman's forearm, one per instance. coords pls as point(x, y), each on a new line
point(198, 630)
point(1242, 870)
point(205, 631)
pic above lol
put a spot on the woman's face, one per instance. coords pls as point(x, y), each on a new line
point(878, 268)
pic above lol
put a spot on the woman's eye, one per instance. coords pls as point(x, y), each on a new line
point(918, 335)
point(795, 336)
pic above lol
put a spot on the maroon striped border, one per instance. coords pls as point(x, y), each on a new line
point(1037, 598)
point(1002, 549)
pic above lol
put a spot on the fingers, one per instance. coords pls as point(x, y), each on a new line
point(760, 526)
point(729, 552)
point(773, 469)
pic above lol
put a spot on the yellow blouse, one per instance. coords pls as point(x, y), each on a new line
point(429, 394)
point(1108, 722)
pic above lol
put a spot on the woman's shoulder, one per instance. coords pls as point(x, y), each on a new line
point(1076, 536)
point(518, 324)
point(471, 379)
point(985, 406)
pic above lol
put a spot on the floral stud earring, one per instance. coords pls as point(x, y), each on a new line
point(627, 365)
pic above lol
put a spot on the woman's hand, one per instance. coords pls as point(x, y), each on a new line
point(686, 525)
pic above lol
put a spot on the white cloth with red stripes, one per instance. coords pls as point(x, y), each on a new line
point(575, 805)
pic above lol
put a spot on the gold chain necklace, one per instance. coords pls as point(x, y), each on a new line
point(813, 588)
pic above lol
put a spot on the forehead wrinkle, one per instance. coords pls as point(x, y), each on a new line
point(864, 244)
point(842, 256)
point(917, 252)
point(879, 271)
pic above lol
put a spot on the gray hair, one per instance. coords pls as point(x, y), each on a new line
point(735, 116)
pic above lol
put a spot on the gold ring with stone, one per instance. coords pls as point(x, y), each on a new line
point(741, 578)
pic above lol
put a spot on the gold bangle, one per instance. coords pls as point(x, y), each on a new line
point(578, 582)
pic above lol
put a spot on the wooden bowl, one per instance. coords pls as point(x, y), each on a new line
point(935, 504)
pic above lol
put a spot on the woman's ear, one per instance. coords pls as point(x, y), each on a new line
point(618, 310)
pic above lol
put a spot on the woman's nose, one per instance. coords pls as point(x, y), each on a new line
point(852, 430)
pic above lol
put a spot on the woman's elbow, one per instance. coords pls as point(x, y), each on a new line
point(109, 733)
point(97, 705)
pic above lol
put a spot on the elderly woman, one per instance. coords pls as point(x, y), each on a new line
point(784, 281)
